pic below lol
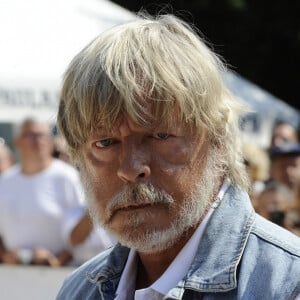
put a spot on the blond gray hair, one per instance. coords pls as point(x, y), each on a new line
point(151, 60)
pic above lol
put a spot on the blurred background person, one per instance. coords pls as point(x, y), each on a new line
point(6, 157)
point(274, 202)
point(282, 133)
point(293, 215)
point(285, 164)
point(35, 196)
point(285, 170)
point(257, 164)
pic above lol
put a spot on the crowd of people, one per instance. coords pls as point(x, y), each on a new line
point(42, 205)
point(275, 176)
point(152, 132)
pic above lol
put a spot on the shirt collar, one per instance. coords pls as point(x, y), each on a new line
point(182, 262)
point(126, 285)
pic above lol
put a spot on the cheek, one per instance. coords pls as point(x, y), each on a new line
point(99, 171)
point(171, 161)
point(179, 171)
point(101, 182)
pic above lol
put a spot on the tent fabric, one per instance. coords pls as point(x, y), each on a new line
point(264, 109)
point(40, 37)
point(259, 100)
point(38, 40)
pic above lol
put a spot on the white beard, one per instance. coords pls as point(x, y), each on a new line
point(152, 241)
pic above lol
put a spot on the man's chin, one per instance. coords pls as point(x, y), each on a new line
point(147, 241)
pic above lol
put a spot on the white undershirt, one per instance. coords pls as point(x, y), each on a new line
point(174, 273)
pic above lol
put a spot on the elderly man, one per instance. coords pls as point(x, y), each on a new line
point(154, 132)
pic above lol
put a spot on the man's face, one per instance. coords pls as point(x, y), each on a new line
point(148, 186)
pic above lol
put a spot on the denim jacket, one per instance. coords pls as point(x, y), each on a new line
point(241, 256)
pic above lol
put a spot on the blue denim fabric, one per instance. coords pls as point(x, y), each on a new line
point(241, 256)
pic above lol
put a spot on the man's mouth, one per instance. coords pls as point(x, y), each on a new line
point(130, 208)
point(134, 207)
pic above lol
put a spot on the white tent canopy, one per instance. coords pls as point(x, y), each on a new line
point(264, 109)
point(40, 37)
point(38, 40)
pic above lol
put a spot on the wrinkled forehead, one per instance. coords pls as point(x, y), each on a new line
point(153, 124)
point(145, 112)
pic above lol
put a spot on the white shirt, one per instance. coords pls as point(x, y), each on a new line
point(32, 207)
point(174, 273)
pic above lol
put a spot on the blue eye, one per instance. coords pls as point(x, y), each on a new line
point(104, 143)
point(161, 136)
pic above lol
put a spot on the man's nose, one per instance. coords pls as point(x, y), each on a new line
point(134, 163)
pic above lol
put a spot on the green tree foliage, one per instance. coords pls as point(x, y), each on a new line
point(258, 39)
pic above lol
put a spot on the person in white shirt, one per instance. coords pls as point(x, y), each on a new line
point(35, 196)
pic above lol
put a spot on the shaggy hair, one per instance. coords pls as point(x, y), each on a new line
point(158, 63)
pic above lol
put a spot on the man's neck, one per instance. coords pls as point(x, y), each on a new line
point(32, 167)
point(152, 266)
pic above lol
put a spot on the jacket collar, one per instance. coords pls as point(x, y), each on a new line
point(111, 266)
point(214, 268)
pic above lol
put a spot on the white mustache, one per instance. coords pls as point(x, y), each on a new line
point(138, 195)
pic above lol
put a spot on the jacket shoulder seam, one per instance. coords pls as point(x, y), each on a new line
point(273, 240)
